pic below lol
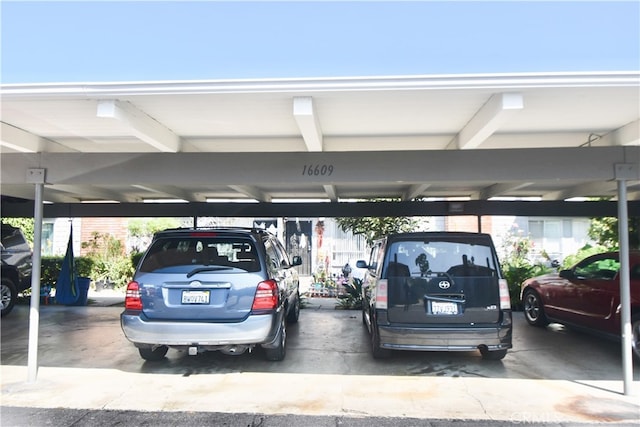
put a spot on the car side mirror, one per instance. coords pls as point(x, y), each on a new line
point(361, 264)
point(297, 260)
point(566, 274)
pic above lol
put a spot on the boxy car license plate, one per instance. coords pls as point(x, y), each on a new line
point(444, 308)
point(195, 297)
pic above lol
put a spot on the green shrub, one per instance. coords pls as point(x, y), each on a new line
point(516, 266)
point(583, 253)
point(50, 268)
point(110, 264)
point(353, 298)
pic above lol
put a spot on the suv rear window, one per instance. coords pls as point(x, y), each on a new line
point(188, 251)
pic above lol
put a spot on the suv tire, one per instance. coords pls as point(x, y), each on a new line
point(153, 354)
point(276, 354)
point(294, 312)
point(9, 295)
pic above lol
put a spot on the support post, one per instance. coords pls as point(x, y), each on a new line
point(625, 289)
point(37, 177)
point(624, 172)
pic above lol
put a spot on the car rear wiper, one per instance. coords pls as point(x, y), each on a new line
point(204, 269)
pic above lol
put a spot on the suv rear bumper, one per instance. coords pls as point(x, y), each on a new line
point(440, 338)
point(255, 329)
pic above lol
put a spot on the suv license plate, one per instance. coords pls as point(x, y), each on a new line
point(195, 297)
point(446, 308)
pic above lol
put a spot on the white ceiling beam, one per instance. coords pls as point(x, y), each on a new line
point(331, 191)
point(502, 189)
point(414, 191)
point(166, 190)
point(19, 140)
point(628, 134)
point(589, 189)
point(488, 119)
point(308, 123)
point(91, 192)
point(252, 192)
point(142, 125)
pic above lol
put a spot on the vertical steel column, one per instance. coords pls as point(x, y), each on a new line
point(623, 173)
point(625, 288)
point(36, 176)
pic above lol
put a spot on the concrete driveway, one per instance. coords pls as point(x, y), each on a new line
point(89, 374)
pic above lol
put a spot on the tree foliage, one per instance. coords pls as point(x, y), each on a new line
point(25, 224)
point(373, 228)
point(604, 231)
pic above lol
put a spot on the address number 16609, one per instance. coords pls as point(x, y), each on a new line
point(317, 170)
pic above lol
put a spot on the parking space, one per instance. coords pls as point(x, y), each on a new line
point(551, 375)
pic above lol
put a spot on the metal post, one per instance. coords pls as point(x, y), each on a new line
point(625, 288)
point(34, 311)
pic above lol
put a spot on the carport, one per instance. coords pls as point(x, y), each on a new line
point(442, 145)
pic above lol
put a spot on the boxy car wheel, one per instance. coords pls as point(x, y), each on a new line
point(153, 354)
point(534, 309)
point(492, 355)
point(377, 351)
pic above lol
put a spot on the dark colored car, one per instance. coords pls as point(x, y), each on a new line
point(436, 291)
point(222, 289)
point(16, 266)
point(586, 296)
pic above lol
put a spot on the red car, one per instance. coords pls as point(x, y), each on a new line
point(586, 296)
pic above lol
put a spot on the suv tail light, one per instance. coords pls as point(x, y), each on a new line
point(505, 299)
point(382, 294)
point(266, 296)
point(132, 300)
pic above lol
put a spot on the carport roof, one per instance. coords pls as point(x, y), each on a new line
point(551, 136)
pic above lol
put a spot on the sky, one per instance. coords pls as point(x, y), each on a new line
point(115, 41)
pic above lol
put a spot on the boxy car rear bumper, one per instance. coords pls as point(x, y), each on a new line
point(443, 338)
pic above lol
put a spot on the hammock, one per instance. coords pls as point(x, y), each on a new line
point(67, 284)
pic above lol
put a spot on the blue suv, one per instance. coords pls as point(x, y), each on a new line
point(214, 289)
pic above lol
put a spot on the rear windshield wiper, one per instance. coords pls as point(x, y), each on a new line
point(204, 269)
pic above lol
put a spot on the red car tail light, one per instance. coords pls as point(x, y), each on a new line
point(266, 296)
point(132, 299)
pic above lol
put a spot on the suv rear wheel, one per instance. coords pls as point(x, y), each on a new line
point(153, 354)
point(277, 353)
point(8, 295)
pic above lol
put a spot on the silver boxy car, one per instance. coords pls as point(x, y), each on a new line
point(215, 289)
point(436, 291)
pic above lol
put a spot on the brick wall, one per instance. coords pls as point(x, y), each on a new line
point(468, 224)
point(117, 227)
